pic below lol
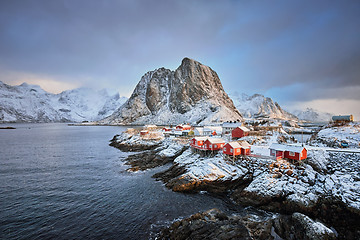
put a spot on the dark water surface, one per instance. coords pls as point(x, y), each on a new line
point(65, 182)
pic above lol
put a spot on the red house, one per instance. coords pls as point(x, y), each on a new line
point(240, 132)
point(214, 144)
point(232, 149)
point(197, 142)
point(144, 132)
point(288, 151)
point(165, 129)
point(182, 127)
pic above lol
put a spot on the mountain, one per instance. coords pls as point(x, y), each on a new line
point(259, 106)
point(192, 93)
point(30, 103)
point(312, 115)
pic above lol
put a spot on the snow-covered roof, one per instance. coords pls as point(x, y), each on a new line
point(216, 140)
point(213, 128)
point(283, 147)
point(244, 144)
point(234, 125)
point(200, 138)
point(183, 125)
point(244, 129)
point(234, 144)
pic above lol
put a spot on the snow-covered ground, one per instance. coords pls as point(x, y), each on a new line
point(333, 136)
point(208, 168)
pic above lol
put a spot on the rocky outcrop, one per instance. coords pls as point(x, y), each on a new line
point(300, 226)
point(192, 93)
point(150, 154)
point(212, 224)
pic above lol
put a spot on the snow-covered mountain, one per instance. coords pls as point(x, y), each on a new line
point(259, 106)
point(30, 103)
point(192, 93)
point(312, 115)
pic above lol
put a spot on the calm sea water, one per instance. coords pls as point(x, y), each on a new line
point(65, 182)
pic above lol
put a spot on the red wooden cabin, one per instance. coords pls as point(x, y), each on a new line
point(232, 149)
point(240, 132)
point(214, 144)
point(182, 127)
point(197, 142)
point(144, 132)
point(288, 151)
point(165, 129)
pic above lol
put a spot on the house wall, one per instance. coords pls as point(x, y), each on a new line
point(236, 151)
point(304, 152)
point(210, 146)
point(238, 133)
point(245, 151)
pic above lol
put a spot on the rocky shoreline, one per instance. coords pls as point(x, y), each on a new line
point(316, 192)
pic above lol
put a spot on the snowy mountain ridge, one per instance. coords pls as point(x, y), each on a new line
point(192, 93)
point(30, 103)
point(312, 115)
point(258, 105)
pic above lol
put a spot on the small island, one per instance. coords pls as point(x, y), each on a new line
point(306, 190)
point(7, 128)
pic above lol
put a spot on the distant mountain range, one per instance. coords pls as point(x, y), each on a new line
point(257, 106)
point(193, 93)
point(313, 115)
point(30, 103)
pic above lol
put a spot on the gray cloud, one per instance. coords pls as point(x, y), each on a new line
point(261, 46)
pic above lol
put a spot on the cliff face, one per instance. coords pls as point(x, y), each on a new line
point(192, 93)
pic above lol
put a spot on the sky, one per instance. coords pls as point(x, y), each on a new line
point(300, 53)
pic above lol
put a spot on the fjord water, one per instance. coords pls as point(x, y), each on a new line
point(66, 182)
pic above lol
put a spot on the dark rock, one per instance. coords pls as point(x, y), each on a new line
point(212, 224)
point(300, 226)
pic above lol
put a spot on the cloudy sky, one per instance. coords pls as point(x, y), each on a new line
point(300, 53)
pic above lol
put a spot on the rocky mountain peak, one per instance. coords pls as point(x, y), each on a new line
point(192, 93)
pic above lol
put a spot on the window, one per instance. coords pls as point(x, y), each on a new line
point(292, 154)
point(215, 146)
point(210, 146)
point(237, 150)
point(225, 149)
point(231, 150)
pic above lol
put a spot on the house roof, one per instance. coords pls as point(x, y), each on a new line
point(216, 140)
point(283, 147)
point(234, 144)
point(234, 125)
point(244, 129)
point(183, 125)
point(213, 128)
point(200, 138)
point(244, 144)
